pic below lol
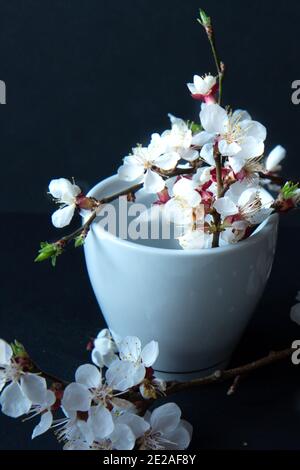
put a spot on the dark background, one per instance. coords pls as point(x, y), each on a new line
point(86, 80)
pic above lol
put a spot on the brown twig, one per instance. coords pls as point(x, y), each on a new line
point(220, 190)
point(98, 203)
point(221, 376)
point(232, 389)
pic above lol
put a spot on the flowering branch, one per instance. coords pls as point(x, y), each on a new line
point(217, 377)
point(206, 22)
point(100, 409)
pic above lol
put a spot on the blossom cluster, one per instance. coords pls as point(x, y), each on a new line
point(232, 138)
point(101, 409)
point(208, 177)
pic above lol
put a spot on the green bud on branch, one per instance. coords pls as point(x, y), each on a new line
point(18, 349)
point(205, 21)
point(289, 190)
point(204, 18)
point(80, 239)
point(49, 250)
point(194, 126)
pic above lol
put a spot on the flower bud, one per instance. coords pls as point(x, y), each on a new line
point(87, 203)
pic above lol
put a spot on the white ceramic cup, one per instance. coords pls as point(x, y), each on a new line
point(195, 303)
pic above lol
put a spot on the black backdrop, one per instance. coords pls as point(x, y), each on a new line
point(86, 80)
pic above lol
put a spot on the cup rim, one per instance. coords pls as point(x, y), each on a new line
point(258, 234)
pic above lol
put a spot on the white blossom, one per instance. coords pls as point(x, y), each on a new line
point(74, 431)
point(252, 204)
point(167, 430)
point(164, 152)
point(138, 166)
point(237, 136)
point(192, 240)
point(35, 387)
point(13, 400)
point(128, 427)
point(105, 348)
point(179, 208)
point(202, 85)
point(65, 194)
point(130, 369)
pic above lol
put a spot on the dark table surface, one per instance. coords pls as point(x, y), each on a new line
point(54, 312)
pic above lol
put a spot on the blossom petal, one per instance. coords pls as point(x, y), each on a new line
point(240, 115)
point(101, 422)
point(88, 375)
point(207, 153)
point(130, 172)
point(14, 402)
point(167, 161)
point(237, 163)
point(102, 360)
point(136, 423)
point(275, 157)
point(225, 207)
point(104, 333)
point(175, 212)
point(182, 187)
point(236, 190)
point(86, 431)
point(130, 349)
point(235, 232)
point(63, 217)
point(202, 138)
point(191, 87)
point(254, 129)
point(251, 148)
point(150, 353)
point(179, 439)
point(76, 398)
point(202, 175)
point(50, 399)
point(153, 183)
point(214, 119)
point(44, 424)
point(192, 240)
point(34, 387)
point(63, 189)
point(122, 375)
point(122, 438)
point(190, 155)
point(228, 150)
point(166, 418)
point(6, 353)
point(76, 445)
point(2, 379)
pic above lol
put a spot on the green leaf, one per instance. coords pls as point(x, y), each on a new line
point(204, 18)
point(79, 241)
point(48, 250)
point(18, 349)
point(289, 190)
point(194, 126)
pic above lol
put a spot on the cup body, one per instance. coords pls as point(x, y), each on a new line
point(195, 303)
